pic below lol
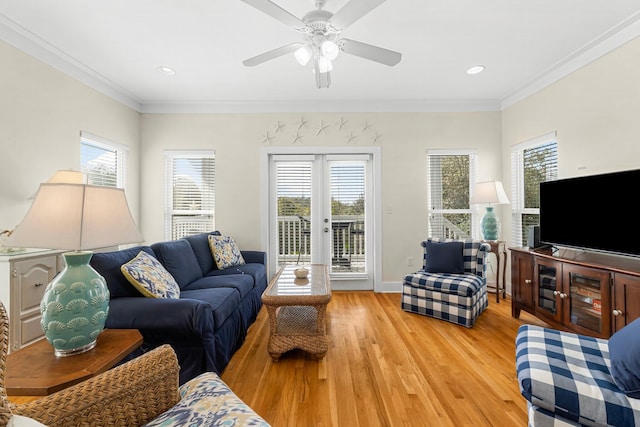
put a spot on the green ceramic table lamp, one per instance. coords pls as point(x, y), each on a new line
point(489, 193)
point(77, 218)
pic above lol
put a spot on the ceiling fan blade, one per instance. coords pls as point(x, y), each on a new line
point(275, 11)
point(353, 11)
point(367, 51)
point(272, 54)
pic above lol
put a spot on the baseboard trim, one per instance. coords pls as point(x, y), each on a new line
point(390, 287)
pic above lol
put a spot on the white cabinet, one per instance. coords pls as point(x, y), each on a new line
point(23, 279)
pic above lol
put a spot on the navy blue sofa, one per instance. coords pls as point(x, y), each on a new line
point(209, 321)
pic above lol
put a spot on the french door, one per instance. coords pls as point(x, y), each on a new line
point(321, 210)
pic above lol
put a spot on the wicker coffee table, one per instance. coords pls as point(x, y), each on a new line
point(297, 309)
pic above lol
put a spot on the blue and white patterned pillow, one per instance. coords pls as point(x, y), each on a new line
point(207, 401)
point(150, 277)
point(225, 251)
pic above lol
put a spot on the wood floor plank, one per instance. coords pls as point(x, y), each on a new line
point(386, 367)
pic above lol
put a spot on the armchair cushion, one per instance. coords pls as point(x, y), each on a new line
point(225, 251)
point(444, 257)
point(150, 277)
point(624, 351)
point(206, 400)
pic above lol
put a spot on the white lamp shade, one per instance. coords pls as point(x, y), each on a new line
point(303, 55)
point(68, 176)
point(490, 192)
point(76, 217)
point(329, 49)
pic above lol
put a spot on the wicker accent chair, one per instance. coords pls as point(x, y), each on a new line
point(143, 391)
point(456, 295)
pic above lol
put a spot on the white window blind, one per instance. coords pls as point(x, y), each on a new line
point(102, 161)
point(293, 190)
point(348, 190)
point(190, 194)
point(532, 162)
point(450, 176)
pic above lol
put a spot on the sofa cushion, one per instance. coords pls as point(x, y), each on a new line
point(108, 264)
point(624, 351)
point(243, 283)
point(150, 277)
point(200, 245)
point(179, 260)
point(223, 301)
point(257, 271)
point(225, 251)
point(444, 257)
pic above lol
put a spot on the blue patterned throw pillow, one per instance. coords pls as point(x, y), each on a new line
point(150, 277)
point(225, 251)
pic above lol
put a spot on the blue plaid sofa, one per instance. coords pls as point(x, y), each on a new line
point(455, 297)
point(567, 380)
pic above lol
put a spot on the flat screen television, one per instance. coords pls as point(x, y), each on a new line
point(596, 212)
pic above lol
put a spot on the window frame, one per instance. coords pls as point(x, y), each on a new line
point(89, 140)
point(170, 212)
point(518, 208)
point(473, 161)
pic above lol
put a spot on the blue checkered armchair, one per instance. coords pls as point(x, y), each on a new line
point(570, 379)
point(457, 297)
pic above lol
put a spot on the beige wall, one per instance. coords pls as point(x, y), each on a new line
point(238, 139)
point(596, 113)
point(42, 112)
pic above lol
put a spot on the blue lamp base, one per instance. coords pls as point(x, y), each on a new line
point(75, 306)
point(489, 224)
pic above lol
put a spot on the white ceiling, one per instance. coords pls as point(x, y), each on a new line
point(117, 45)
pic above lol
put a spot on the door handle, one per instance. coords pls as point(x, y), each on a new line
point(326, 229)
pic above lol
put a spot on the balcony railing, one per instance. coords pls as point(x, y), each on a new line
point(347, 241)
point(187, 225)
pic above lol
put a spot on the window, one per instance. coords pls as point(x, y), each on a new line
point(102, 161)
point(451, 175)
point(532, 162)
point(190, 193)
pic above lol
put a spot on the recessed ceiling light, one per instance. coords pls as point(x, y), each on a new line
point(167, 70)
point(475, 69)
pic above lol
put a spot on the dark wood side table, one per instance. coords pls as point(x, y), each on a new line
point(499, 248)
point(35, 370)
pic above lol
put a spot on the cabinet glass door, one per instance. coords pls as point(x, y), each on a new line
point(546, 287)
point(585, 302)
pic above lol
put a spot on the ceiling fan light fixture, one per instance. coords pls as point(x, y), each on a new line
point(324, 64)
point(329, 49)
point(303, 55)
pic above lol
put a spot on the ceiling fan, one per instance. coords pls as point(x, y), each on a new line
point(321, 41)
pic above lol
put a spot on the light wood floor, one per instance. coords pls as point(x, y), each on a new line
point(387, 367)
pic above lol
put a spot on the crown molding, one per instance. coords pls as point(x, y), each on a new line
point(610, 40)
point(338, 106)
point(28, 42)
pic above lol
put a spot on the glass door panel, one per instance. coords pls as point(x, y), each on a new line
point(348, 197)
point(585, 302)
point(293, 194)
point(547, 301)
